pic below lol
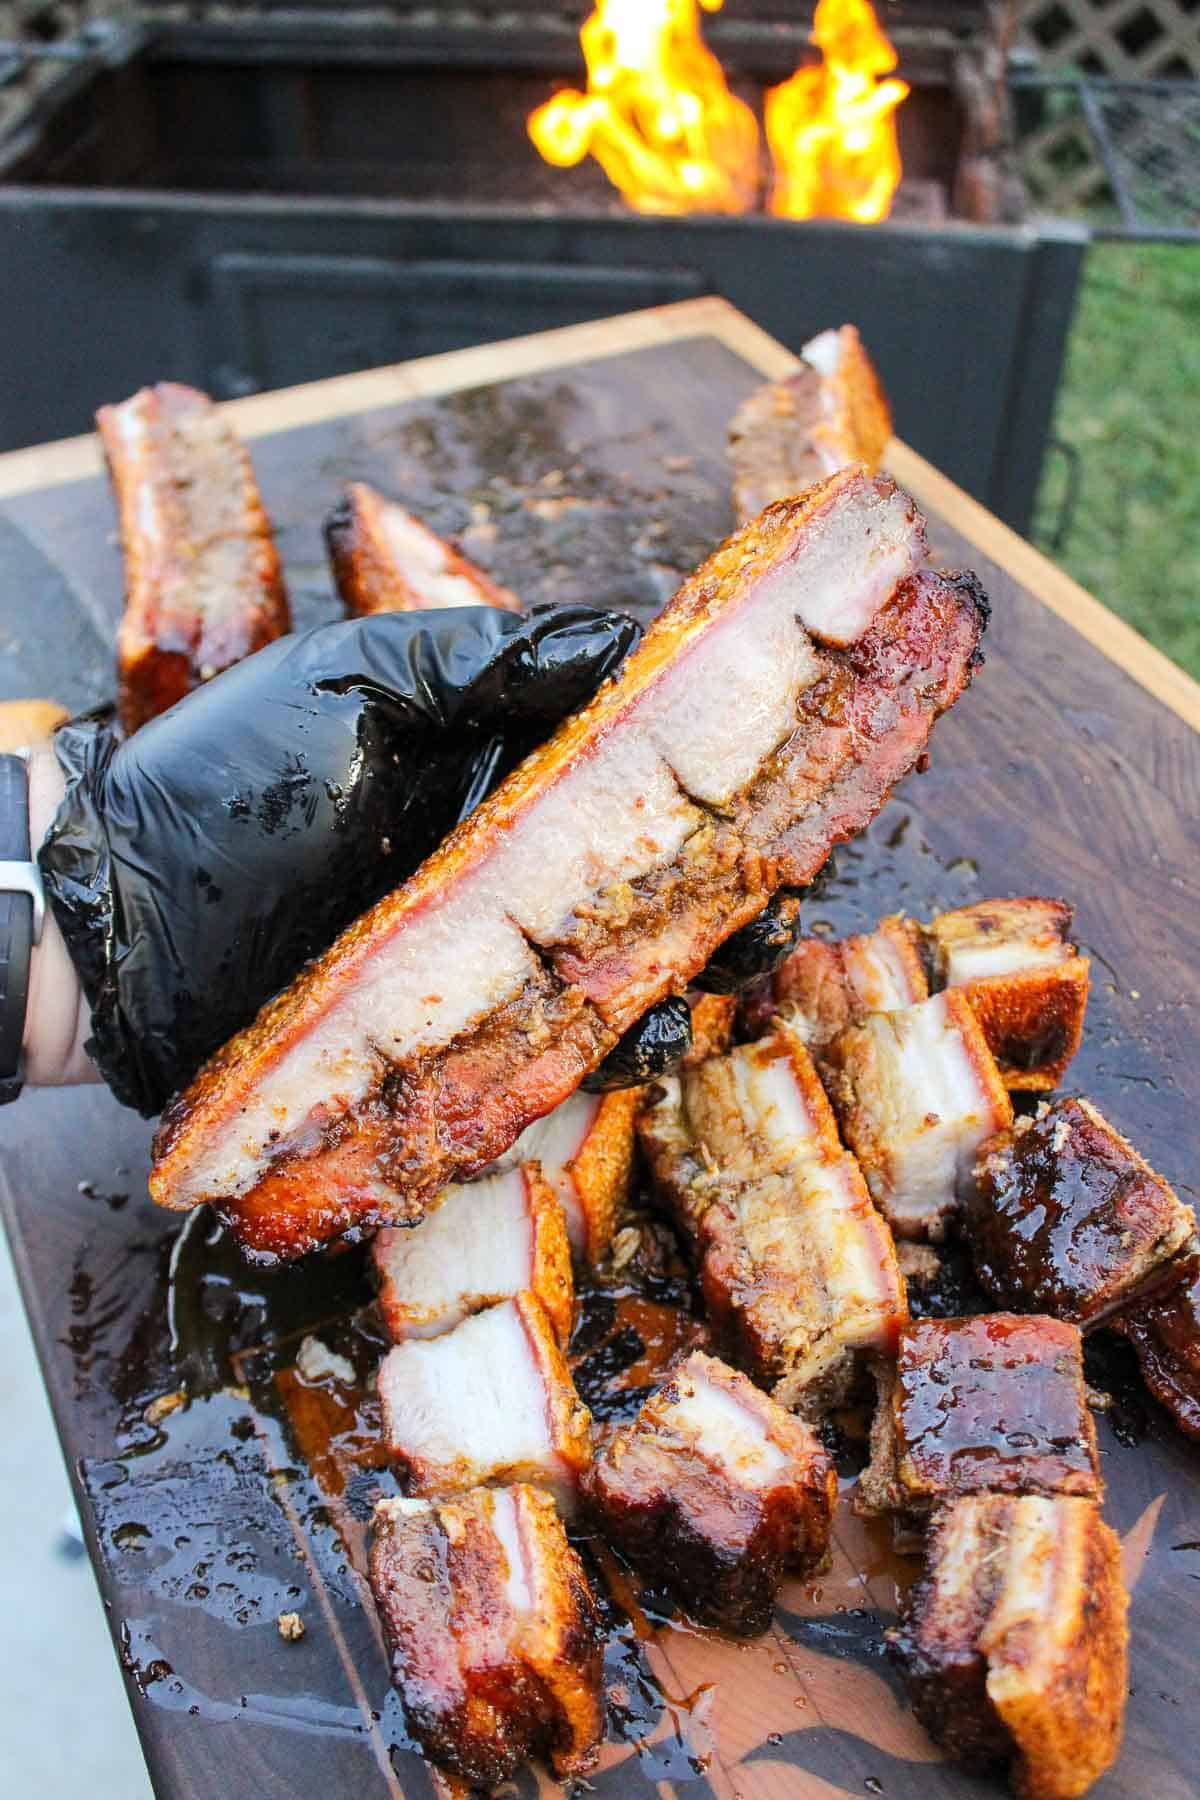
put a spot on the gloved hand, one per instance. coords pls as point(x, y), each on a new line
point(196, 867)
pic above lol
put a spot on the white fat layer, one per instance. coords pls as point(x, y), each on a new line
point(506, 1523)
point(555, 1142)
point(772, 1102)
point(725, 1431)
point(614, 814)
point(944, 1117)
point(974, 962)
point(960, 1547)
point(473, 1249)
point(848, 1244)
point(878, 974)
point(824, 352)
point(397, 1507)
point(1044, 1536)
point(422, 560)
point(474, 1396)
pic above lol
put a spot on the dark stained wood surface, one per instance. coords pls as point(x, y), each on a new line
point(602, 482)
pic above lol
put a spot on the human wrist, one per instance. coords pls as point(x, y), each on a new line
point(57, 1018)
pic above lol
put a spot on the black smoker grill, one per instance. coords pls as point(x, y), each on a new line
point(254, 203)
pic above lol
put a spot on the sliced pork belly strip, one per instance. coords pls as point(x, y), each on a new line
point(385, 560)
point(482, 1243)
point(1026, 984)
point(797, 1268)
point(917, 1093)
point(1068, 1219)
point(1014, 1643)
point(988, 1404)
point(600, 877)
point(493, 1631)
point(790, 433)
point(584, 1149)
point(203, 585)
point(490, 1402)
point(716, 1491)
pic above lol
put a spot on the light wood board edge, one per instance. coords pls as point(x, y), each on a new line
point(261, 415)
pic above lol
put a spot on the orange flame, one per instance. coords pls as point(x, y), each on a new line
point(658, 114)
point(832, 128)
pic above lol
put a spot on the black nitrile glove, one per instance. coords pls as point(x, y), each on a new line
point(196, 867)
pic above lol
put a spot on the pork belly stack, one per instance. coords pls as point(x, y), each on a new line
point(827, 984)
point(490, 1402)
point(482, 1243)
point(584, 1149)
point(715, 1490)
point(1067, 1218)
point(917, 1093)
point(764, 717)
point(203, 585)
point(797, 1269)
point(1026, 983)
point(1164, 1329)
point(385, 560)
point(493, 1632)
point(994, 1404)
point(790, 433)
point(1014, 1642)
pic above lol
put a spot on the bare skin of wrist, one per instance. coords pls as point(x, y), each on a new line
point(57, 1020)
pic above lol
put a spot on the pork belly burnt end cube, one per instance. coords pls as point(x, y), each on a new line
point(983, 1405)
point(715, 1490)
point(489, 1402)
point(827, 984)
point(1026, 984)
point(1164, 1329)
point(916, 1093)
point(798, 1270)
point(1067, 1218)
point(493, 1631)
point(585, 1151)
point(385, 560)
point(482, 1243)
point(1014, 1641)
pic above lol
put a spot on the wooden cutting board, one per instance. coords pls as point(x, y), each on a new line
point(586, 464)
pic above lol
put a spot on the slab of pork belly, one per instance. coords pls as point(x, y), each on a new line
point(1067, 1218)
point(995, 1404)
point(798, 1270)
point(585, 1151)
point(1014, 1643)
point(715, 1490)
point(1026, 983)
point(493, 1631)
point(827, 984)
point(385, 560)
point(917, 1093)
point(699, 709)
point(490, 1402)
point(482, 1243)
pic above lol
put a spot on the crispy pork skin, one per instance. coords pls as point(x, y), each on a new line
point(827, 984)
point(715, 1490)
point(493, 1631)
point(1026, 983)
point(385, 560)
point(1164, 1329)
point(1067, 1218)
point(916, 1093)
point(1014, 1642)
point(481, 1243)
point(724, 761)
point(584, 1149)
point(793, 432)
point(994, 1404)
point(203, 585)
point(490, 1402)
point(797, 1269)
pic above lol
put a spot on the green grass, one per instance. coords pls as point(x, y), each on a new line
point(1130, 408)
